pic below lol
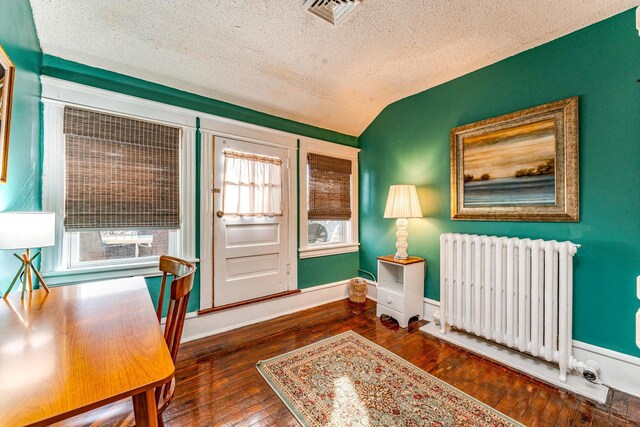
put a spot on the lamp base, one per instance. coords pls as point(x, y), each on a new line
point(24, 273)
point(401, 234)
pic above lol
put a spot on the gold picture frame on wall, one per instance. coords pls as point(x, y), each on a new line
point(7, 74)
point(521, 166)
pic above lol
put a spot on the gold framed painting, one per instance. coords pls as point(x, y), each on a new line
point(7, 71)
point(521, 166)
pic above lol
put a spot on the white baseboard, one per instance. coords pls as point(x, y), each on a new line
point(233, 318)
point(372, 290)
point(617, 370)
point(430, 307)
point(518, 361)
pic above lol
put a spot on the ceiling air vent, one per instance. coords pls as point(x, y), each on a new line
point(333, 11)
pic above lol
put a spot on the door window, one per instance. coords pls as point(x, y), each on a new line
point(252, 185)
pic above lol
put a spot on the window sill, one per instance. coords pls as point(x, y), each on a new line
point(329, 250)
point(107, 272)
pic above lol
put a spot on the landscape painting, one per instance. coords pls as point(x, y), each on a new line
point(511, 167)
point(522, 166)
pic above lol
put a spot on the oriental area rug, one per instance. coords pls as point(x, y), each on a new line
point(347, 380)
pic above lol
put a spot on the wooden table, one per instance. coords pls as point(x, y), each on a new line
point(78, 348)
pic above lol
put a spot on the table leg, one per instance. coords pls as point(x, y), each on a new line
point(144, 409)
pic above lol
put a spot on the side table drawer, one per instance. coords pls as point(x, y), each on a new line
point(391, 299)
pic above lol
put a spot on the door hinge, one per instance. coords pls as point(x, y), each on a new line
point(288, 268)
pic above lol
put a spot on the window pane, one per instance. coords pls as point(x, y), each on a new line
point(117, 245)
point(327, 232)
point(252, 185)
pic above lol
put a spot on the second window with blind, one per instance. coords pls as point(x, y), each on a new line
point(328, 199)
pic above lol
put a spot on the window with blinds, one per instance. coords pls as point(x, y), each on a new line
point(121, 173)
point(329, 188)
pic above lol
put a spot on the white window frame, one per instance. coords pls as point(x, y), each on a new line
point(74, 253)
point(316, 146)
point(56, 261)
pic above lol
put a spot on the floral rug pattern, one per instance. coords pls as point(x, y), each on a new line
point(347, 380)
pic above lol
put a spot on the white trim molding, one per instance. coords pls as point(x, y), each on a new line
point(520, 362)
point(328, 250)
point(617, 370)
point(53, 179)
point(230, 128)
point(107, 272)
point(70, 93)
point(206, 219)
point(233, 318)
point(187, 236)
point(430, 307)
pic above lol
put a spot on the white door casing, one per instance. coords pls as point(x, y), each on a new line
point(251, 254)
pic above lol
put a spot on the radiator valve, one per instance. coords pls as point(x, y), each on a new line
point(436, 317)
point(590, 370)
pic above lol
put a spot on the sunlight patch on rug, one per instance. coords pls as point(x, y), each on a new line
point(347, 380)
point(347, 406)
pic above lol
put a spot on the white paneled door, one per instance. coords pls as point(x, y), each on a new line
point(250, 250)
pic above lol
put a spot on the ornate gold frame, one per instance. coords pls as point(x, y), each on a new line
point(5, 114)
point(566, 207)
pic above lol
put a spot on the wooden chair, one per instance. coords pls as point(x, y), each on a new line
point(181, 285)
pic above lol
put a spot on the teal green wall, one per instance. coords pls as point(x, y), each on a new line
point(409, 143)
point(22, 190)
point(327, 269)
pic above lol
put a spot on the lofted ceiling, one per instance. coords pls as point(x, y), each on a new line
point(272, 56)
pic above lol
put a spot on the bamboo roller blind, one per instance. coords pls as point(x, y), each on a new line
point(121, 173)
point(329, 188)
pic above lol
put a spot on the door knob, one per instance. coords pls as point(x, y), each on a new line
point(219, 214)
point(388, 300)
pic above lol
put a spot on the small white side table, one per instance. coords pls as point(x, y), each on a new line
point(400, 290)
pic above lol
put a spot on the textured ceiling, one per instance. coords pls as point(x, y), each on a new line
point(271, 56)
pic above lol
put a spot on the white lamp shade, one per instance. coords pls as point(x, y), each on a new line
point(403, 202)
point(27, 230)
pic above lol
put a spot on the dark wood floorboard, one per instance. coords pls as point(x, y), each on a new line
point(218, 384)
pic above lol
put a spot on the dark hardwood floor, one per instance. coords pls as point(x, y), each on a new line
point(218, 384)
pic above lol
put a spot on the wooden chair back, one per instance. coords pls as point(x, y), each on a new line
point(181, 284)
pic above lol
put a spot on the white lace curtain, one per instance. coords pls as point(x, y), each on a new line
point(252, 185)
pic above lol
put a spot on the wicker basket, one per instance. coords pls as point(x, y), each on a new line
point(357, 290)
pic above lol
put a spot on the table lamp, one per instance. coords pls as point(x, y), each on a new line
point(26, 230)
point(402, 203)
